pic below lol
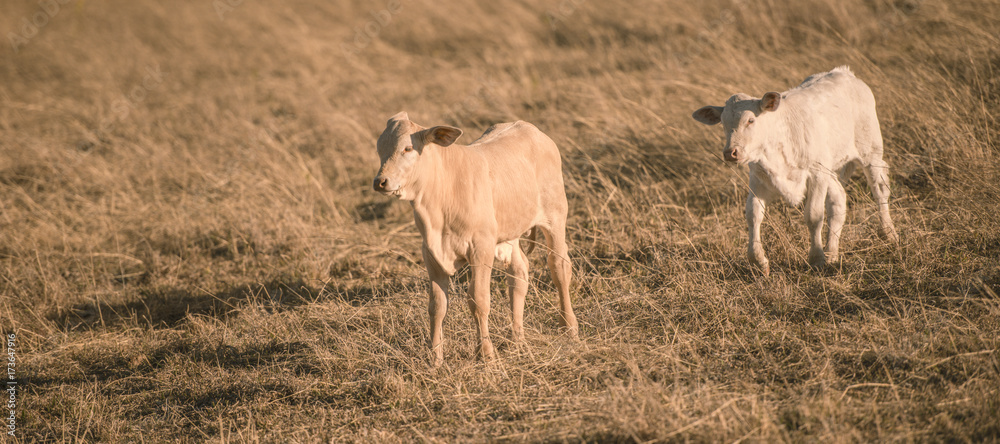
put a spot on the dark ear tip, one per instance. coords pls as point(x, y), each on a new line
point(770, 101)
point(706, 115)
point(444, 135)
point(448, 130)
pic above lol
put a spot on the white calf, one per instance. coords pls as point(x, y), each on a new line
point(804, 144)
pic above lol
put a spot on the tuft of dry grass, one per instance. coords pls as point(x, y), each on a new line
point(190, 251)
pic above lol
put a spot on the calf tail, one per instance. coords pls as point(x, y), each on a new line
point(532, 236)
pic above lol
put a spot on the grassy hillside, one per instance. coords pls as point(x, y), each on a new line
point(190, 249)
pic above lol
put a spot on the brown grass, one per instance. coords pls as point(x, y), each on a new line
point(212, 266)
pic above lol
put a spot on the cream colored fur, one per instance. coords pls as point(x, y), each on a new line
point(472, 204)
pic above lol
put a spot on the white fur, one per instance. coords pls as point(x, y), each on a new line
point(805, 150)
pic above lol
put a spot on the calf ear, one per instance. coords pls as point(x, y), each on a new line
point(770, 102)
point(442, 135)
point(709, 115)
point(400, 116)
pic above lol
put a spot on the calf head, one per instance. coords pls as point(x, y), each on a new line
point(739, 122)
point(400, 148)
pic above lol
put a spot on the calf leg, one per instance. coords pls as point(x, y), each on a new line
point(877, 174)
point(481, 264)
point(836, 209)
point(438, 305)
point(562, 270)
point(517, 289)
point(815, 198)
point(755, 215)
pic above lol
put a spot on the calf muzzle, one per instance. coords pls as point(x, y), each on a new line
point(380, 184)
point(731, 155)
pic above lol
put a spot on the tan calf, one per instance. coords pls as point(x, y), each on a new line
point(472, 204)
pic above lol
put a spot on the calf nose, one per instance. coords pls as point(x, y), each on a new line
point(732, 156)
point(380, 183)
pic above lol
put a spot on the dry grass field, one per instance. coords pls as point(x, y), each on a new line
point(190, 249)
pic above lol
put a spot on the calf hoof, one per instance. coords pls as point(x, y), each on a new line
point(571, 332)
point(817, 259)
point(517, 337)
point(764, 266)
point(889, 235)
point(832, 256)
point(485, 352)
point(568, 326)
point(437, 355)
point(758, 259)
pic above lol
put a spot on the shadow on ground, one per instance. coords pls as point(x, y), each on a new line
point(168, 307)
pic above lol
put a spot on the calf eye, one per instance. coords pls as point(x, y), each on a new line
point(750, 122)
point(407, 149)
